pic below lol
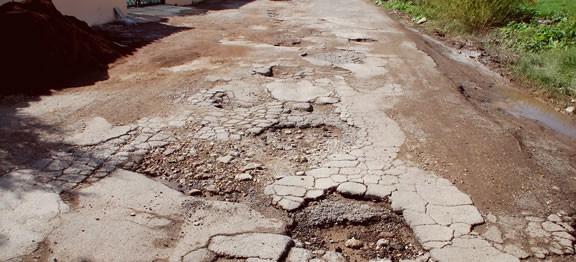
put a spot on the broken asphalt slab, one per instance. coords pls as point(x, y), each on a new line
point(146, 218)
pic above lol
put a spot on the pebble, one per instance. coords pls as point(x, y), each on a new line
point(225, 159)
point(306, 107)
point(244, 177)
point(194, 192)
point(251, 166)
point(382, 242)
point(353, 243)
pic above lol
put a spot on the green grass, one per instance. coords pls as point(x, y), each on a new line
point(410, 7)
point(548, 8)
point(545, 52)
point(554, 70)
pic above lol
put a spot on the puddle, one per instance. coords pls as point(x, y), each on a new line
point(521, 105)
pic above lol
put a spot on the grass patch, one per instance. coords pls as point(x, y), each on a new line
point(548, 8)
point(555, 70)
point(409, 7)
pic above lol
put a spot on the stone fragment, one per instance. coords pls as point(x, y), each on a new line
point(251, 166)
point(306, 107)
point(461, 229)
point(443, 195)
point(194, 192)
point(255, 131)
point(552, 227)
point(353, 243)
point(406, 200)
point(322, 172)
point(200, 255)
point(225, 159)
point(324, 100)
point(534, 230)
point(314, 194)
point(296, 181)
point(471, 254)
point(251, 245)
point(446, 215)
point(540, 252)
point(493, 234)
point(564, 235)
point(339, 178)
point(244, 177)
point(554, 218)
point(427, 233)
point(417, 219)
point(379, 192)
point(325, 184)
point(535, 219)
point(291, 203)
point(492, 218)
point(384, 260)
point(254, 259)
point(299, 255)
point(289, 190)
point(351, 189)
point(373, 179)
point(516, 251)
point(332, 256)
point(388, 180)
point(263, 70)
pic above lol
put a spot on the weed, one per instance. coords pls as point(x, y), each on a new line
point(553, 69)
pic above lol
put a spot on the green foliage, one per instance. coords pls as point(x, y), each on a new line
point(410, 7)
point(553, 69)
point(550, 8)
point(475, 14)
point(469, 14)
point(536, 37)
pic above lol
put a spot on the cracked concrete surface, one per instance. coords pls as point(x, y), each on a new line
point(328, 80)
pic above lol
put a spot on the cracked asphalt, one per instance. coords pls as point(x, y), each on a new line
point(207, 143)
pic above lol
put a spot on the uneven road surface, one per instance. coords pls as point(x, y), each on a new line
point(303, 130)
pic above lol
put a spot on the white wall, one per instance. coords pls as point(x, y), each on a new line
point(93, 12)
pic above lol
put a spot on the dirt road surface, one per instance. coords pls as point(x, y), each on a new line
point(303, 130)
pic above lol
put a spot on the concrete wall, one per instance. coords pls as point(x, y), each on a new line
point(93, 12)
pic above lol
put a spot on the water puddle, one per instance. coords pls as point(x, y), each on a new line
point(521, 105)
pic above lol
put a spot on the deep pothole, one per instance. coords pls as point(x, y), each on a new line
point(360, 230)
point(237, 171)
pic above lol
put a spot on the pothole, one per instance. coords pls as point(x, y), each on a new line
point(360, 40)
point(238, 170)
point(344, 57)
point(359, 230)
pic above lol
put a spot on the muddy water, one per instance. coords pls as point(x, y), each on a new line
point(521, 105)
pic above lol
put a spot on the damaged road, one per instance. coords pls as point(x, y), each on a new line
point(283, 131)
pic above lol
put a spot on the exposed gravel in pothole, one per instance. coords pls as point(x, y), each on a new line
point(360, 230)
point(235, 170)
point(344, 57)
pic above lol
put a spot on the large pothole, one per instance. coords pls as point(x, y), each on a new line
point(238, 170)
point(360, 230)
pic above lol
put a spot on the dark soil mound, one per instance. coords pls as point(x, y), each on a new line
point(41, 49)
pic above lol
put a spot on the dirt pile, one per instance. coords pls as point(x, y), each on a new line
point(41, 49)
